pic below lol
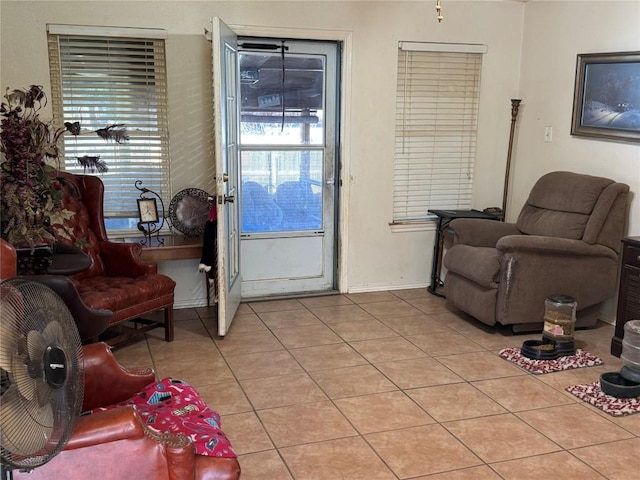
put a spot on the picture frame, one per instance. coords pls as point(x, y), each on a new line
point(148, 210)
point(606, 103)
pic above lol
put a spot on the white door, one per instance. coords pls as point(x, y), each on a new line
point(225, 114)
point(288, 125)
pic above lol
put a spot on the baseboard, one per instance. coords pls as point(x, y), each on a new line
point(190, 303)
point(381, 288)
point(610, 319)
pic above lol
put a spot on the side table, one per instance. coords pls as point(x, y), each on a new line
point(444, 219)
point(176, 247)
point(629, 291)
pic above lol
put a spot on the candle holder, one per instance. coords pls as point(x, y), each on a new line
point(515, 107)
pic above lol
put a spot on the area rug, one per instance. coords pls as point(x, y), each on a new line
point(593, 394)
point(579, 360)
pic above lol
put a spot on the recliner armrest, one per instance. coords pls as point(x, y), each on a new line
point(123, 260)
point(106, 381)
point(480, 232)
point(553, 246)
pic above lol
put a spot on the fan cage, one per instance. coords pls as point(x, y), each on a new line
point(36, 420)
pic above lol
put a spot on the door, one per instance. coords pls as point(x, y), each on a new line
point(288, 145)
point(225, 114)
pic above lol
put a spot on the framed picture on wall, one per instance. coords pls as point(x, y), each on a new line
point(606, 100)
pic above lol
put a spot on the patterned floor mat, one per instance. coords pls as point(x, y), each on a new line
point(579, 360)
point(593, 394)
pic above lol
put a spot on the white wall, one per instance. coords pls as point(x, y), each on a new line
point(531, 54)
point(554, 33)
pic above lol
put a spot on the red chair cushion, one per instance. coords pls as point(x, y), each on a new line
point(120, 293)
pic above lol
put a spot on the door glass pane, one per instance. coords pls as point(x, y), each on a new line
point(281, 106)
point(281, 190)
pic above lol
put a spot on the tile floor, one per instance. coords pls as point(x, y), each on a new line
point(390, 385)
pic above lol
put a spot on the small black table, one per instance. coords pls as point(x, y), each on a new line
point(67, 260)
point(444, 219)
point(58, 259)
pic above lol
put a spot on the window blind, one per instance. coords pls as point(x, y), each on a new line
point(100, 81)
point(436, 125)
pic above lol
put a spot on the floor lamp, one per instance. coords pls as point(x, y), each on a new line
point(515, 105)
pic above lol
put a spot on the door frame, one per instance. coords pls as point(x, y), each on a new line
point(344, 133)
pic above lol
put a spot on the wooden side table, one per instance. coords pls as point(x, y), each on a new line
point(176, 247)
point(629, 291)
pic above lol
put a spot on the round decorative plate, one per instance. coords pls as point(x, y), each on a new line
point(189, 210)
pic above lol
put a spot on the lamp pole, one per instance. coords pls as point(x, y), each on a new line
point(515, 105)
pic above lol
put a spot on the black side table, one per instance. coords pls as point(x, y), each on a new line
point(444, 219)
point(628, 292)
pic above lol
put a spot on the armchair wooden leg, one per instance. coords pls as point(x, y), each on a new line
point(168, 324)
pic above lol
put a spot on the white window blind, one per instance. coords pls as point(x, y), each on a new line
point(438, 90)
point(100, 81)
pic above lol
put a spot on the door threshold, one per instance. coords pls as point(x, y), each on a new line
point(290, 296)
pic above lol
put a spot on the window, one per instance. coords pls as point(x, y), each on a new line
point(108, 76)
point(438, 89)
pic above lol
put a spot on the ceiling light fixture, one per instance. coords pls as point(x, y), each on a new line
point(440, 17)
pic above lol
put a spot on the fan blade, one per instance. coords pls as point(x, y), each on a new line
point(24, 432)
point(8, 334)
point(43, 391)
point(36, 345)
point(53, 333)
point(42, 415)
point(26, 384)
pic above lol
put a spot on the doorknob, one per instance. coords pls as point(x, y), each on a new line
point(229, 198)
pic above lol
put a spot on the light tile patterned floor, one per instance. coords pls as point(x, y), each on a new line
point(390, 385)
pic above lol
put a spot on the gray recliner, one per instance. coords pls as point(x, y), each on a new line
point(566, 241)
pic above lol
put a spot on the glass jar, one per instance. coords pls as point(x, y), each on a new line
point(559, 318)
point(631, 345)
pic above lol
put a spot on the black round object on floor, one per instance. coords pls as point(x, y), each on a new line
point(547, 350)
point(612, 383)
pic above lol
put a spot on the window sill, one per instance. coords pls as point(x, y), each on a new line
point(420, 226)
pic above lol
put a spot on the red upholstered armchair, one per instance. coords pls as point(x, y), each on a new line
point(8, 260)
point(116, 444)
point(118, 280)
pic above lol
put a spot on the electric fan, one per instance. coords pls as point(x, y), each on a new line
point(41, 375)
